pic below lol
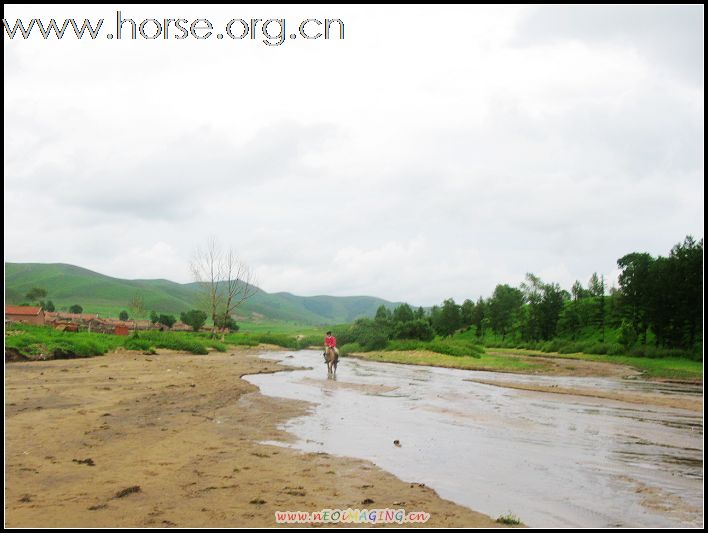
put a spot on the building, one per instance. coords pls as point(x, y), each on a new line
point(24, 314)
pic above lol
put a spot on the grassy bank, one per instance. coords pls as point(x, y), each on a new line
point(678, 368)
point(425, 357)
point(536, 362)
point(44, 342)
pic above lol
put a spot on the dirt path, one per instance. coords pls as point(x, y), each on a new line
point(133, 440)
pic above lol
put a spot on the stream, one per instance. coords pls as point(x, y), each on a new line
point(552, 460)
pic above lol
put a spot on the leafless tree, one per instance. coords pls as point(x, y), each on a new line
point(225, 281)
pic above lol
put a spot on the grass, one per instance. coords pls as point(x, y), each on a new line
point(428, 358)
point(34, 341)
point(678, 368)
point(509, 520)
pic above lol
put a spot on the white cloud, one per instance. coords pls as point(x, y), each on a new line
point(433, 153)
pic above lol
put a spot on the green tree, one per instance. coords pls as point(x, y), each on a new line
point(545, 303)
point(635, 287)
point(403, 313)
point(226, 322)
point(123, 315)
point(76, 308)
point(504, 308)
point(49, 306)
point(383, 315)
point(35, 294)
point(446, 320)
point(154, 317)
point(467, 312)
point(479, 313)
point(167, 320)
point(194, 318)
point(418, 328)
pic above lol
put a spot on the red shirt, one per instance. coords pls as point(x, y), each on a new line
point(331, 341)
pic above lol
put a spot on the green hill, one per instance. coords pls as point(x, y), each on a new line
point(68, 284)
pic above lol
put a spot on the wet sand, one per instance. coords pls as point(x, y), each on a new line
point(134, 440)
point(678, 402)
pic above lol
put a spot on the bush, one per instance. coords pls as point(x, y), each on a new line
point(351, 347)
point(419, 329)
point(136, 343)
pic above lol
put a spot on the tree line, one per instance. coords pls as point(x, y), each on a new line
point(659, 302)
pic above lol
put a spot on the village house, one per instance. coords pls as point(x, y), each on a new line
point(24, 314)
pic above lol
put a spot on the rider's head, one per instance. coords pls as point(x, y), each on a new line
point(329, 333)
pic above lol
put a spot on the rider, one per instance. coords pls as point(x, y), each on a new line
point(330, 341)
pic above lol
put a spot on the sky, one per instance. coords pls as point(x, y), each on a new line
point(433, 152)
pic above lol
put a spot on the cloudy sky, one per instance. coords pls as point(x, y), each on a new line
point(433, 152)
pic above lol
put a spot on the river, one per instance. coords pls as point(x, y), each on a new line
point(553, 460)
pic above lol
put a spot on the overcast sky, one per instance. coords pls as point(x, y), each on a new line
point(432, 153)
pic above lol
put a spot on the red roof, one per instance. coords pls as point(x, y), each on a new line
point(22, 310)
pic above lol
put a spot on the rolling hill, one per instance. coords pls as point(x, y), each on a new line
point(68, 284)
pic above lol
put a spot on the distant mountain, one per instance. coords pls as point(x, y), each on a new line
point(68, 284)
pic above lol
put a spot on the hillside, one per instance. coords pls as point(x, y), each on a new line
point(69, 284)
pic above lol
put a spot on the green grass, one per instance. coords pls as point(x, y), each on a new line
point(665, 368)
point(509, 520)
point(293, 328)
point(483, 362)
point(33, 341)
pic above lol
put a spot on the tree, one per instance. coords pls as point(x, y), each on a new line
point(504, 308)
point(545, 303)
point(167, 320)
point(194, 318)
point(403, 313)
point(49, 306)
point(123, 315)
point(418, 328)
point(154, 317)
point(137, 308)
point(225, 282)
point(35, 294)
point(635, 287)
point(383, 315)
point(578, 291)
point(76, 308)
point(479, 314)
point(467, 312)
point(227, 323)
point(446, 320)
point(596, 285)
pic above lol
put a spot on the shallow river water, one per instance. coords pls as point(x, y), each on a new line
point(550, 459)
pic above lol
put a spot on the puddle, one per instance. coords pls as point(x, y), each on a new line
point(550, 459)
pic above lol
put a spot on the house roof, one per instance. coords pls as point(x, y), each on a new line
point(72, 316)
point(22, 310)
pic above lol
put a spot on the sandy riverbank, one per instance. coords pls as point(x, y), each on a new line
point(185, 429)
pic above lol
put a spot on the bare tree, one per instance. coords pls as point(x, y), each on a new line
point(137, 307)
point(225, 281)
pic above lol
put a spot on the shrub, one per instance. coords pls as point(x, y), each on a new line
point(351, 347)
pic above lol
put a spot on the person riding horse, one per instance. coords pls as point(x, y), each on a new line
point(330, 342)
point(331, 355)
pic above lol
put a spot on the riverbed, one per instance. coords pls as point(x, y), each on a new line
point(552, 460)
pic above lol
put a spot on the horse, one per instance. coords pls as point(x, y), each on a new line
point(332, 358)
